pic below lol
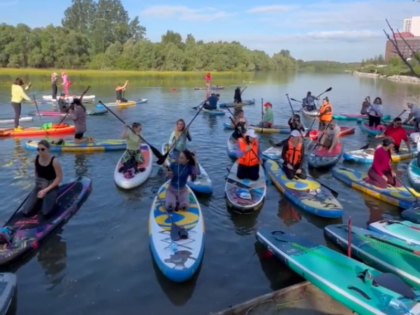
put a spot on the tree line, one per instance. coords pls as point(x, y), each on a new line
point(101, 35)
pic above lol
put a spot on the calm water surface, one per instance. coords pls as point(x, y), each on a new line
point(99, 263)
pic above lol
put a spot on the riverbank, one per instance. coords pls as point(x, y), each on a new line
point(395, 78)
point(123, 73)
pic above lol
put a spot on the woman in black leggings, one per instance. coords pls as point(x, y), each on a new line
point(18, 95)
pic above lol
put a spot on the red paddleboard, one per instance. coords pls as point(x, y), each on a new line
point(323, 151)
point(344, 131)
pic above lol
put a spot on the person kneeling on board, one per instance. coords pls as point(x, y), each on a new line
point(48, 175)
point(63, 106)
point(330, 136)
point(381, 174)
point(119, 91)
point(268, 118)
point(292, 155)
point(249, 156)
point(397, 133)
point(211, 103)
point(309, 102)
point(413, 117)
point(325, 114)
point(77, 113)
point(237, 97)
point(132, 155)
point(177, 194)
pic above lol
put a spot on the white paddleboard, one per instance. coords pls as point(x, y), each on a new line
point(11, 121)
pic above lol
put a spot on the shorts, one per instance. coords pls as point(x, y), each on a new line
point(130, 154)
point(79, 135)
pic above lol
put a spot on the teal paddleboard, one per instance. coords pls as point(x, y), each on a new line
point(403, 230)
point(383, 252)
point(361, 288)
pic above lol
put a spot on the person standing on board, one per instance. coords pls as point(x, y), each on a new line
point(413, 117)
point(268, 118)
point(54, 86)
point(208, 80)
point(375, 113)
point(237, 97)
point(18, 95)
point(66, 83)
point(119, 92)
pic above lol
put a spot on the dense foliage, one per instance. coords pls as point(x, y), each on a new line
point(101, 35)
point(394, 66)
point(320, 65)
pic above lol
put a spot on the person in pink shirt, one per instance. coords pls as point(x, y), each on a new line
point(66, 83)
point(381, 174)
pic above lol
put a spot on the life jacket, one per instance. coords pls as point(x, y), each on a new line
point(250, 158)
point(293, 154)
point(323, 116)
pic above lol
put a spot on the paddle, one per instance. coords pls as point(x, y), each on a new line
point(313, 121)
point(68, 111)
point(409, 190)
point(380, 135)
point(201, 105)
point(262, 115)
point(290, 104)
point(164, 157)
point(20, 206)
point(294, 99)
point(155, 151)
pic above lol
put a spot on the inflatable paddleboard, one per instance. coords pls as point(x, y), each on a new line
point(321, 158)
point(70, 146)
point(344, 131)
point(365, 156)
point(11, 121)
point(403, 230)
point(244, 103)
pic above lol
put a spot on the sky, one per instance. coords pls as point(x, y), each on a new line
point(341, 30)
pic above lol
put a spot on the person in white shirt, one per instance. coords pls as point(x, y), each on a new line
point(414, 116)
point(375, 113)
point(309, 102)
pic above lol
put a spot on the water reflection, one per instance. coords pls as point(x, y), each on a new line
point(378, 210)
point(52, 256)
point(287, 213)
point(244, 223)
point(177, 293)
point(277, 273)
point(21, 163)
point(212, 120)
point(80, 165)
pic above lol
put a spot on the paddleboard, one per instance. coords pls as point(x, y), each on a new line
point(97, 111)
point(211, 88)
point(202, 184)
point(178, 260)
point(30, 232)
point(307, 194)
point(379, 129)
point(123, 104)
point(344, 131)
point(232, 147)
point(129, 179)
point(361, 288)
point(11, 121)
point(8, 286)
point(232, 104)
point(356, 117)
point(412, 214)
point(216, 112)
point(56, 129)
point(70, 146)
point(50, 113)
point(365, 156)
point(272, 153)
point(274, 129)
point(404, 230)
point(227, 126)
point(312, 113)
point(70, 98)
point(413, 171)
point(319, 157)
point(397, 196)
point(244, 195)
point(383, 252)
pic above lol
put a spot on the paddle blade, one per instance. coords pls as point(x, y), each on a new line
point(162, 159)
point(156, 153)
point(365, 147)
point(329, 89)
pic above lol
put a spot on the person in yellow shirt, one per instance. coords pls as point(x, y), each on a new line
point(18, 95)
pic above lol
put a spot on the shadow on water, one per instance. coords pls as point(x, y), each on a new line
point(80, 165)
point(277, 273)
point(244, 223)
point(177, 293)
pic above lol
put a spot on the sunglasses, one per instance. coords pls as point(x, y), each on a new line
point(40, 149)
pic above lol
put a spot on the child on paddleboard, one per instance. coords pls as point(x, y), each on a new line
point(133, 151)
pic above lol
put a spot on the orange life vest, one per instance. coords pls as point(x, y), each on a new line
point(323, 116)
point(293, 154)
point(250, 158)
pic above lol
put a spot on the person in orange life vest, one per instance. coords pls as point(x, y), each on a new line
point(329, 137)
point(249, 156)
point(325, 114)
point(292, 154)
point(119, 90)
point(397, 133)
point(208, 79)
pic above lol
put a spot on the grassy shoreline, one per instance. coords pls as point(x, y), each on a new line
point(88, 72)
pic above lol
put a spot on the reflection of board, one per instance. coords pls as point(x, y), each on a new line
point(178, 260)
point(397, 196)
point(234, 186)
point(202, 184)
point(307, 193)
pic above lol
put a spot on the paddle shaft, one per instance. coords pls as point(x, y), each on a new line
point(290, 104)
point(409, 190)
point(262, 115)
point(327, 90)
point(20, 206)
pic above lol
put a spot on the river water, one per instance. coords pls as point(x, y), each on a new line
point(99, 262)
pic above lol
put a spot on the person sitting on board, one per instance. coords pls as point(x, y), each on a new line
point(413, 117)
point(119, 92)
point(375, 113)
point(18, 95)
point(179, 136)
point(268, 118)
point(211, 103)
point(309, 102)
point(132, 151)
point(292, 154)
point(248, 156)
point(365, 106)
point(48, 175)
point(325, 114)
point(329, 137)
point(63, 106)
point(397, 133)
point(177, 194)
point(77, 113)
point(380, 173)
point(239, 124)
point(237, 97)
point(295, 124)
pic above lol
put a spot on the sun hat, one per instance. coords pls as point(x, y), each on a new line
point(251, 133)
point(295, 133)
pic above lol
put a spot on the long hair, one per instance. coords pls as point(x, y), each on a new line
point(177, 132)
point(190, 157)
point(77, 101)
point(18, 81)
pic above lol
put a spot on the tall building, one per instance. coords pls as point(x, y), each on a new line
point(413, 43)
point(412, 25)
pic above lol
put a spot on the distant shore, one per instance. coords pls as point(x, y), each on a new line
point(395, 78)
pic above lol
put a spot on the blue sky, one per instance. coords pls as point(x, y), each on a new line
point(312, 30)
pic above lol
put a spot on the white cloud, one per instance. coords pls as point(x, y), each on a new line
point(272, 9)
point(184, 13)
